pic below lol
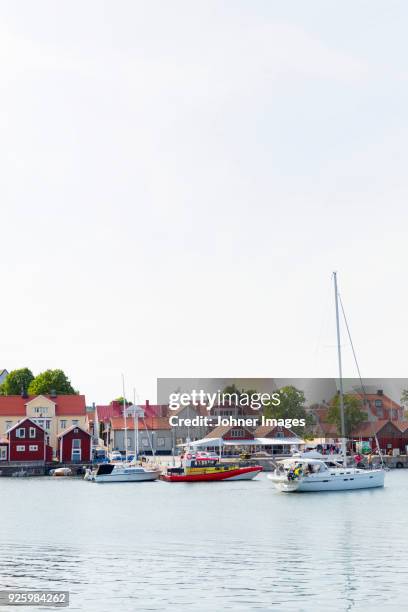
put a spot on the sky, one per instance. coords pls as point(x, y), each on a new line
point(179, 180)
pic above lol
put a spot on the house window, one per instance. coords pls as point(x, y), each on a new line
point(21, 449)
point(33, 447)
point(32, 432)
point(75, 422)
point(161, 441)
point(20, 433)
point(378, 403)
point(63, 424)
point(9, 425)
point(47, 424)
point(3, 453)
point(40, 410)
point(237, 433)
point(145, 442)
point(379, 412)
point(280, 434)
point(76, 443)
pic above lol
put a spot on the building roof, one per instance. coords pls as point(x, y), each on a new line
point(4, 441)
point(197, 410)
point(221, 430)
point(15, 405)
point(151, 423)
point(69, 429)
point(106, 412)
point(267, 431)
point(370, 429)
point(155, 410)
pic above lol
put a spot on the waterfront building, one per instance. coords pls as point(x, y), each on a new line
point(101, 419)
point(379, 406)
point(54, 413)
point(392, 436)
point(153, 432)
point(28, 442)
point(75, 445)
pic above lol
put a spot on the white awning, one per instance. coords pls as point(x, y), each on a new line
point(204, 442)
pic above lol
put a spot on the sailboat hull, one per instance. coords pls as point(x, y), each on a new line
point(340, 480)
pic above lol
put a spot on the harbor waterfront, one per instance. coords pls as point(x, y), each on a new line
point(153, 546)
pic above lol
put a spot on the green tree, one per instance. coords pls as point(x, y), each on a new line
point(120, 400)
point(353, 414)
point(292, 406)
point(51, 381)
point(17, 382)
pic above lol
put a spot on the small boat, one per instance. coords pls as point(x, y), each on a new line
point(201, 467)
point(61, 472)
point(115, 472)
point(305, 475)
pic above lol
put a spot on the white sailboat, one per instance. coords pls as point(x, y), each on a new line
point(302, 474)
point(125, 471)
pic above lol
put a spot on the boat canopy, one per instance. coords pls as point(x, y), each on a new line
point(297, 460)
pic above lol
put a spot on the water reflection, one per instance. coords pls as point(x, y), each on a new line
point(235, 546)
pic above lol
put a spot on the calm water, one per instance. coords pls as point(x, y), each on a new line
point(223, 546)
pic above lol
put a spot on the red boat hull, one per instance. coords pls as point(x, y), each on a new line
point(244, 473)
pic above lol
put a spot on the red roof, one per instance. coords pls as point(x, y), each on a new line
point(155, 410)
point(64, 433)
point(15, 405)
point(19, 424)
point(114, 409)
point(370, 429)
point(150, 422)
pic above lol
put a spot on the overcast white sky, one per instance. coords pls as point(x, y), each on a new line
point(179, 179)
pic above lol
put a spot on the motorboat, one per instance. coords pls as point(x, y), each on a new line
point(115, 472)
point(205, 467)
point(303, 475)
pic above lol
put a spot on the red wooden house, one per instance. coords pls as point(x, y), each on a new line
point(75, 445)
point(27, 442)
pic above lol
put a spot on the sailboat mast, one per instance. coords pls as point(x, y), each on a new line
point(343, 428)
point(136, 425)
point(124, 416)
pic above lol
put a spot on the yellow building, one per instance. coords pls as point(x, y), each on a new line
point(54, 413)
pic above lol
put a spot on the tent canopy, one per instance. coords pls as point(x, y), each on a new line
point(255, 442)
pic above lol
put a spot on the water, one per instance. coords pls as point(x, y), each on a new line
point(205, 547)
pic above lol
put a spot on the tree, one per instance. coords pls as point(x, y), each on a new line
point(353, 415)
point(292, 406)
point(17, 382)
point(120, 400)
point(51, 381)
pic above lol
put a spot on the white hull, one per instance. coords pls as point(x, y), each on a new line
point(246, 476)
point(136, 477)
point(335, 480)
point(120, 473)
